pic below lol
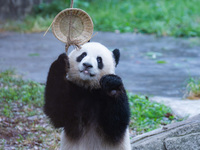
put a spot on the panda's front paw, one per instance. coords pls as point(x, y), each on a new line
point(111, 84)
point(61, 65)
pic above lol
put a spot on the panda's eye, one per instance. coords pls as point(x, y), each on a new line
point(100, 62)
point(79, 58)
point(84, 54)
point(99, 59)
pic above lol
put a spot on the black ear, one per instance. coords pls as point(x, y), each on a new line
point(116, 55)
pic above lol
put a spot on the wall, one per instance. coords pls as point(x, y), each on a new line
point(17, 9)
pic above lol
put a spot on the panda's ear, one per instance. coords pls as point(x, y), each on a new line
point(116, 55)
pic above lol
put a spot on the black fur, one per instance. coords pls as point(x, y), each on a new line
point(76, 108)
point(116, 55)
point(99, 62)
point(79, 58)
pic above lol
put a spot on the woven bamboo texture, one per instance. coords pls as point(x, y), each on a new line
point(73, 26)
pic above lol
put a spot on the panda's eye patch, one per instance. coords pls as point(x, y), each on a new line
point(79, 58)
point(100, 63)
point(99, 59)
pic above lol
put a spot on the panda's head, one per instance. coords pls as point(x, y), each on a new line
point(90, 63)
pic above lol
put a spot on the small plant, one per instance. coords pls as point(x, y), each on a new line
point(193, 89)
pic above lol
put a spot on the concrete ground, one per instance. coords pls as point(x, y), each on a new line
point(150, 65)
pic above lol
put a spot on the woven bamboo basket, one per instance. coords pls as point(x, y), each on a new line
point(73, 26)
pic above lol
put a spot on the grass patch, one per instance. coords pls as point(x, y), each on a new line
point(14, 89)
point(160, 17)
point(147, 115)
point(193, 88)
point(23, 124)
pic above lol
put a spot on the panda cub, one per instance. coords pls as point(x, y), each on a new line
point(85, 97)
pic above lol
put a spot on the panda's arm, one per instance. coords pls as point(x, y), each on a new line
point(55, 91)
point(115, 113)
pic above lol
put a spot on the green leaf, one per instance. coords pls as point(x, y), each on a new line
point(161, 62)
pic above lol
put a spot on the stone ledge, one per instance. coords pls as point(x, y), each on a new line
point(171, 137)
point(190, 141)
point(180, 107)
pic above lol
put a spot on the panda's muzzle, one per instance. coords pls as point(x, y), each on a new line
point(87, 65)
point(86, 70)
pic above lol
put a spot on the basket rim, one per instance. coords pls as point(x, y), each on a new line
point(68, 9)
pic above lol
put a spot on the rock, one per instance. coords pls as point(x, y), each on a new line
point(190, 141)
point(183, 135)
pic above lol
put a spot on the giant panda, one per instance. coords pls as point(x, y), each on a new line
point(85, 98)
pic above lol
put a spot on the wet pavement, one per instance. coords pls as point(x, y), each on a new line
point(155, 66)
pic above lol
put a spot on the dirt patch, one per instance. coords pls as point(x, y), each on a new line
point(29, 132)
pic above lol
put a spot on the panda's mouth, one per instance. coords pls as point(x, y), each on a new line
point(86, 72)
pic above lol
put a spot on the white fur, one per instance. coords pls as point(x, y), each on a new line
point(92, 141)
point(93, 50)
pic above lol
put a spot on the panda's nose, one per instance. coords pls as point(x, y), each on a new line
point(87, 65)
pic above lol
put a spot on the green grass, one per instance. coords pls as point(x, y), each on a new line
point(15, 90)
point(193, 88)
point(23, 124)
point(161, 17)
point(147, 115)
